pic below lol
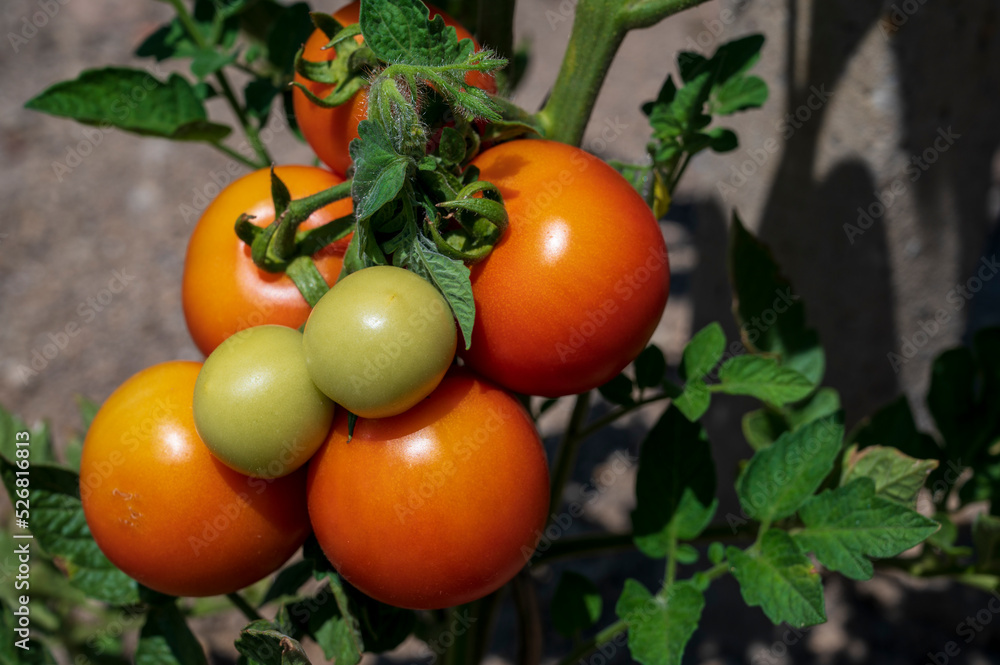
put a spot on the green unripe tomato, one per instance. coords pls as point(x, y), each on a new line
point(379, 341)
point(255, 406)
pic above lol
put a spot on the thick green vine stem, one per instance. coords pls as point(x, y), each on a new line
point(598, 30)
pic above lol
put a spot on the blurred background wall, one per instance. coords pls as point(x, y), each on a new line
point(873, 172)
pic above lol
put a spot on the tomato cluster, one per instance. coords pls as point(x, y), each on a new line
point(423, 478)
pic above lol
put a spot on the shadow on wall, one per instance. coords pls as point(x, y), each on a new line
point(848, 288)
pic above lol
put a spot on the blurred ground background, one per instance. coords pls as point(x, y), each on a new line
point(868, 86)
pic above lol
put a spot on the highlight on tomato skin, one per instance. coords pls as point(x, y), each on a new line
point(575, 288)
point(169, 514)
point(437, 506)
point(329, 131)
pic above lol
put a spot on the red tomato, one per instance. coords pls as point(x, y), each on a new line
point(223, 290)
point(164, 510)
point(437, 506)
point(330, 131)
point(576, 286)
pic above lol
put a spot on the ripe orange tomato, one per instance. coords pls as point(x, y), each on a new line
point(223, 291)
point(164, 510)
point(437, 506)
point(330, 131)
point(576, 286)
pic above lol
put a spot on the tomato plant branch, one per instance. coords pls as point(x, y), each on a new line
point(614, 415)
point(566, 455)
point(598, 30)
point(585, 647)
point(229, 152)
point(253, 136)
point(529, 647)
point(243, 606)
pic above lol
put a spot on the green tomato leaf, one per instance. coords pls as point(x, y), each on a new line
point(166, 639)
point(208, 61)
point(738, 94)
point(848, 525)
point(763, 426)
point(451, 278)
point(781, 477)
point(170, 40)
point(618, 390)
point(986, 539)
point(703, 352)
point(955, 399)
point(16, 649)
point(263, 643)
point(288, 32)
point(379, 171)
point(61, 530)
point(288, 581)
point(675, 485)
point(897, 476)
point(399, 32)
point(779, 578)
point(893, 425)
point(576, 604)
point(650, 367)
point(763, 378)
point(723, 140)
point(736, 57)
point(659, 627)
point(108, 98)
point(13, 429)
point(695, 399)
point(770, 315)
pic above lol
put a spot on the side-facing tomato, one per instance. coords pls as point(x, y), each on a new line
point(223, 290)
point(330, 131)
point(576, 286)
point(437, 506)
point(164, 510)
point(255, 406)
point(379, 341)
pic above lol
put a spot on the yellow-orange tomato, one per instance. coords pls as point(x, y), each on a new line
point(330, 131)
point(223, 290)
point(437, 506)
point(574, 289)
point(164, 510)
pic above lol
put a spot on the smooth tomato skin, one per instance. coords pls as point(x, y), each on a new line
point(379, 341)
point(164, 510)
point(330, 131)
point(437, 506)
point(255, 406)
point(223, 291)
point(574, 289)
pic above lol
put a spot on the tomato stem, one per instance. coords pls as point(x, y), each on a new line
point(585, 647)
point(598, 30)
point(529, 647)
point(253, 136)
point(243, 606)
point(566, 455)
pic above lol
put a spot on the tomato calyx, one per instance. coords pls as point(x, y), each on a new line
point(281, 247)
point(347, 73)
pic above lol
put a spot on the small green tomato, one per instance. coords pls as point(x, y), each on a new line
point(380, 341)
point(255, 406)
